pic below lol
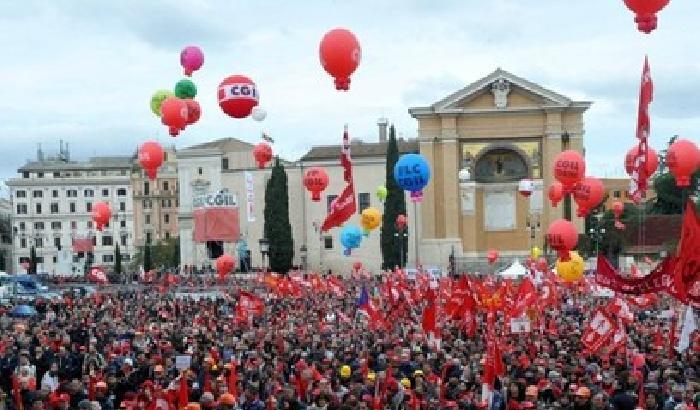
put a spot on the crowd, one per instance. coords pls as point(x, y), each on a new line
point(148, 349)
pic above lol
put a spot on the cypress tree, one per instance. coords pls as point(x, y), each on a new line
point(277, 229)
point(147, 258)
point(32, 261)
point(117, 260)
point(394, 205)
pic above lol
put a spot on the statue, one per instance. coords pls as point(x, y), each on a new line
point(500, 90)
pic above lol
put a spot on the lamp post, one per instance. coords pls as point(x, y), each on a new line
point(400, 236)
point(303, 251)
point(533, 225)
point(264, 250)
point(597, 233)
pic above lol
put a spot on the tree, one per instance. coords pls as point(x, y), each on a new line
point(394, 205)
point(147, 263)
point(32, 260)
point(117, 261)
point(165, 253)
point(277, 229)
point(669, 199)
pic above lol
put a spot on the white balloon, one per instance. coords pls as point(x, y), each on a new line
point(258, 113)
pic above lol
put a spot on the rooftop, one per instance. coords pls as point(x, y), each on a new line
point(54, 164)
point(359, 149)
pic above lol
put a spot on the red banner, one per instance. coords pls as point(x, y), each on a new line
point(599, 330)
point(658, 280)
point(82, 245)
point(216, 224)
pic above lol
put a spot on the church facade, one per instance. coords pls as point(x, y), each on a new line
point(481, 141)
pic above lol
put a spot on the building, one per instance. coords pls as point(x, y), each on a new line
point(52, 202)
point(155, 202)
point(617, 189)
point(5, 236)
point(228, 164)
point(481, 141)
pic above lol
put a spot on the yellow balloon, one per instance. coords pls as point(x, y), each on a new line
point(371, 218)
point(535, 252)
point(571, 270)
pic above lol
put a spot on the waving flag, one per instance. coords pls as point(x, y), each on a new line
point(344, 206)
point(430, 313)
point(638, 185)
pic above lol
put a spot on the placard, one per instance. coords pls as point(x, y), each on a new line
point(183, 362)
point(520, 325)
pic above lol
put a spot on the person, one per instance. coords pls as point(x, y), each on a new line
point(50, 380)
point(582, 399)
point(676, 398)
point(600, 402)
point(226, 402)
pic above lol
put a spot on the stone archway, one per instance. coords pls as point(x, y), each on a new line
point(501, 163)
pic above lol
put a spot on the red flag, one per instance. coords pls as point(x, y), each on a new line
point(342, 208)
point(598, 331)
point(16, 393)
point(345, 159)
point(251, 303)
point(687, 271)
point(183, 395)
point(430, 313)
point(526, 297)
point(638, 184)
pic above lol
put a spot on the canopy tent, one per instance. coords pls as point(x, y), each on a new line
point(514, 271)
point(23, 311)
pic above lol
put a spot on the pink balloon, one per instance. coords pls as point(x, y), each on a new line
point(191, 59)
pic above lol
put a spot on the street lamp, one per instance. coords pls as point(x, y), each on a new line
point(400, 236)
point(264, 250)
point(597, 233)
point(303, 251)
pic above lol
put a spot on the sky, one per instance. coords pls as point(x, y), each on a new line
point(84, 70)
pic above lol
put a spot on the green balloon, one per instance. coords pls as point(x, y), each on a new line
point(185, 89)
point(157, 99)
point(382, 193)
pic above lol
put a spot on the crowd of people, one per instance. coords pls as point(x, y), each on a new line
point(158, 349)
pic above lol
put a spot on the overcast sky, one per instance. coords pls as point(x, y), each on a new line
point(84, 70)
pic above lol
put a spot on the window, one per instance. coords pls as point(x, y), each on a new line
point(123, 238)
point(38, 208)
point(329, 200)
point(103, 173)
point(57, 242)
point(126, 257)
point(146, 188)
point(327, 242)
point(122, 206)
point(109, 258)
point(148, 237)
point(122, 172)
point(56, 174)
point(167, 235)
point(122, 224)
point(38, 226)
point(72, 207)
point(22, 243)
point(88, 206)
point(21, 209)
point(54, 193)
point(56, 225)
point(107, 240)
point(21, 194)
point(94, 238)
point(147, 204)
point(39, 242)
point(39, 259)
point(88, 193)
point(22, 226)
point(37, 194)
point(616, 194)
point(148, 219)
point(25, 174)
point(165, 157)
point(89, 225)
point(54, 207)
point(121, 192)
point(363, 199)
point(224, 163)
point(199, 170)
point(39, 174)
point(166, 218)
point(105, 192)
point(165, 185)
point(72, 193)
point(54, 259)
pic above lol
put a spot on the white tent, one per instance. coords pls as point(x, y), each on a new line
point(514, 271)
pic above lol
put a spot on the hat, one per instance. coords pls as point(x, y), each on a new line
point(405, 382)
point(371, 376)
point(583, 392)
point(227, 399)
point(345, 371)
point(531, 391)
point(418, 373)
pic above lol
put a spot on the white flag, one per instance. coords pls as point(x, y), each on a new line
point(689, 326)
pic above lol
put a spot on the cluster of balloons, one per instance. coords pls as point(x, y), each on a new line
point(412, 174)
point(569, 171)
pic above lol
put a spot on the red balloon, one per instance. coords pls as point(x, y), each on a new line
point(555, 193)
point(101, 214)
point(340, 55)
point(401, 222)
point(645, 13)
point(224, 265)
point(151, 157)
point(315, 181)
point(357, 266)
point(562, 236)
point(683, 159)
point(174, 114)
point(618, 209)
point(194, 111)
point(542, 264)
point(492, 256)
point(652, 160)
point(569, 168)
point(237, 96)
point(588, 194)
point(262, 154)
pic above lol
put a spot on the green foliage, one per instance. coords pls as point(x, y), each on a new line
point(394, 205)
point(277, 228)
point(147, 263)
point(669, 198)
point(165, 253)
